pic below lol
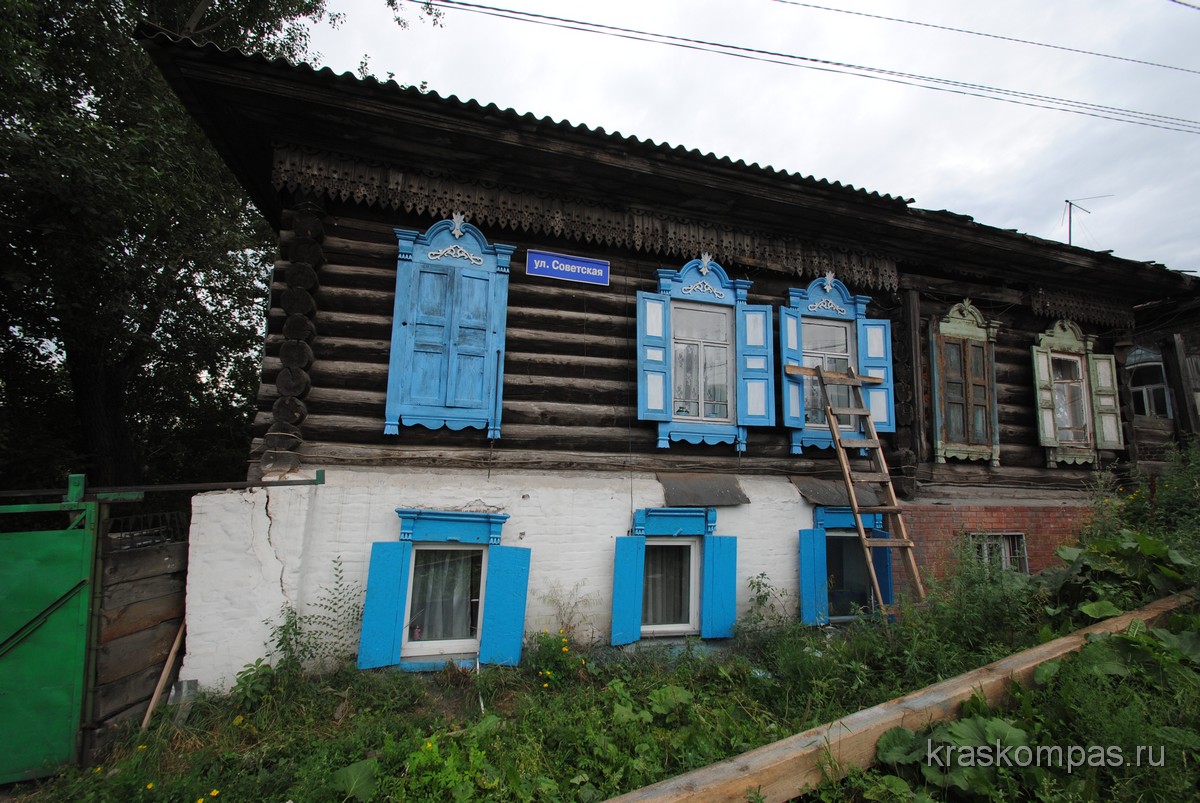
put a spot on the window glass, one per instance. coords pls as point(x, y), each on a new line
point(667, 592)
point(827, 344)
point(445, 594)
point(1148, 389)
point(849, 582)
point(703, 370)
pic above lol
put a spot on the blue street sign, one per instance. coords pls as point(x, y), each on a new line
point(566, 268)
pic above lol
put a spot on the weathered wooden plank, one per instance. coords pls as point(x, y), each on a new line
point(318, 453)
point(112, 698)
point(116, 595)
point(149, 561)
point(135, 617)
point(123, 656)
point(784, 769)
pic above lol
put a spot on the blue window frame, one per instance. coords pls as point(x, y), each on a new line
point(633, 613)
point(825, 325)
point(830, 551)
point(491, 590)
point(447, 358)
point(705, 356)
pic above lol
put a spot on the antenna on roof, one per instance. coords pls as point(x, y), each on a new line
point(1072, 205)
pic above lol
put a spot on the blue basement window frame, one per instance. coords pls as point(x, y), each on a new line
point(670, 565)
point(825, 325)
point(705, 357)
point(834, 583)
point(447, 590)
point(446, 366)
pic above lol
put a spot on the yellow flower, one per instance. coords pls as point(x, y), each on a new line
point(150, 785)
point(429, 745)
point(214, 793)
point(583, 662)
point(141, 747)
point(560, 631)
point(545, 685)
point(199, 800)
point(566, 649)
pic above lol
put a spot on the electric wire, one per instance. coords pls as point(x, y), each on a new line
point(992, 35)
point(983, 91)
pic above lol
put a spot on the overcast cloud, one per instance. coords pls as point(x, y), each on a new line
point(1006, 165)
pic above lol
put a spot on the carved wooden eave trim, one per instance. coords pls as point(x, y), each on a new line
point(438, 196)
point(1077, 308)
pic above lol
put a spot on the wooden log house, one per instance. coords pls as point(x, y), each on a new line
point(621, 438)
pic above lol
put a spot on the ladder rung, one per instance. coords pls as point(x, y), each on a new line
point(850, 411)
point(870, 476)
point(890, 543)
point(879, 509)
point(859, 443)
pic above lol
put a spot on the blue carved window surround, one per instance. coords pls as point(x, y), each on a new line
point(447, 355)
point(869, 350)
point(718, 570)
point(505, 588)
point(717, 409)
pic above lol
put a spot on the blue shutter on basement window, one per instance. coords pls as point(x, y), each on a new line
point(383, 610)
point(718, 586)
point(755, 368)
point(503, 627)
point(654, 356)
point(814, 580)
point(875, 359)
point(791, 352)
point(882, 558)
point(628, 581)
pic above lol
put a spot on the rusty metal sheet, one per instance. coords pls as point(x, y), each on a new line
point(832, 493)
point(702, 490)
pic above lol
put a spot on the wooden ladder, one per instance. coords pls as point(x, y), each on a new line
point(877, 475)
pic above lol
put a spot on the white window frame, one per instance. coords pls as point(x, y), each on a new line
point(1008, 547)
point(730, 346)
point(692, 626)
point(467, 646)
point(812, 358)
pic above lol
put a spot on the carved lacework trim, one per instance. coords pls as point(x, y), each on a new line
point(1059, 305)
point(640, 230)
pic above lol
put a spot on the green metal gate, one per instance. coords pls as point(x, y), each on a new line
point(46, 586)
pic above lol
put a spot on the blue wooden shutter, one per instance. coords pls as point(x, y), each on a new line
point(791, 352)
point(718, 586)
point(628, 582)
point(814, 578)
point(503, 627)
point(383, 611)
point(654, 356)
point(469, 369)
point(882, 558)
point(431, 316)
point(755, 377)
point(875, 359)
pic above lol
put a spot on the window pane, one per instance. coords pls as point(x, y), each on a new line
point(1159, 397)
point(716, 382)
point(954, 362)
point(976, 361)
point(1070, 403)
point(1147, 375)
point(667, 591)
point(956, 426)
point(829, 337)
point(687, 379)
point(979, 428)
point(701, 324)
point(849, 583)
point(445, 594)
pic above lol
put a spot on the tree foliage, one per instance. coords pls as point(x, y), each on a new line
point(133, 270)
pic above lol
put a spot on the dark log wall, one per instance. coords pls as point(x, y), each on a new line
point(570, 390)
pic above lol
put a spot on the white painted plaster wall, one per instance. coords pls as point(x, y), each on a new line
point(253, 552)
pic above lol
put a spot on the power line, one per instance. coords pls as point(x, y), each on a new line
point(996, 36)
point(1016, 97)
point(1188, 5)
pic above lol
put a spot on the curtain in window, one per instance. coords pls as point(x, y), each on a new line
point(667, 592)
point(445, 584)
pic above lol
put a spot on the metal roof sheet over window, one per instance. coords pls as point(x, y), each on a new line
point(832, 493)
point(702, 490)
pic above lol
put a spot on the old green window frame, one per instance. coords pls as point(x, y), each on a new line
point(962, 356)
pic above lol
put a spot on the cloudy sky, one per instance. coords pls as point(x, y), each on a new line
point(794, 97)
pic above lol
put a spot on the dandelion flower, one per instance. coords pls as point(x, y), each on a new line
point(150, 785)
point(566, 649)
point(214, 793)
point(545, 685)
